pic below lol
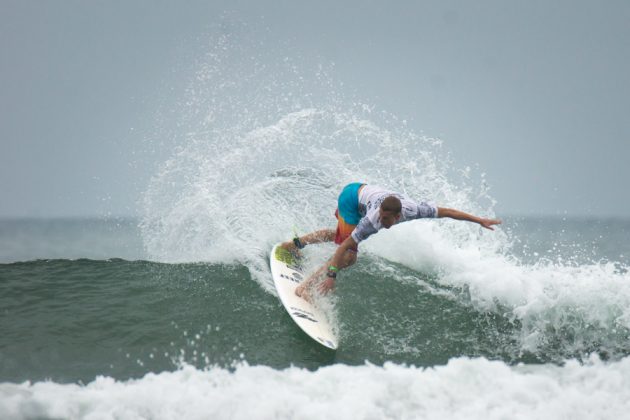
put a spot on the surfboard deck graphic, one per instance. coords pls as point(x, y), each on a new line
point(287, 274)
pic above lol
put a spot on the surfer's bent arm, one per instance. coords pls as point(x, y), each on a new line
point(340, 260)
point(337, 260)
point(460, 215)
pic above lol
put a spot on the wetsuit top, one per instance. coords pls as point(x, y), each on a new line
point(370, 199)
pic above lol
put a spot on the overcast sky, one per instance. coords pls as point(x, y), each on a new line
point(536, 93)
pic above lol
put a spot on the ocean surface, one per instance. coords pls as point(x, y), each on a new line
point(173, 314)
point(93, 327)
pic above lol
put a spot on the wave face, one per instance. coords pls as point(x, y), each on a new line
point(72, 320)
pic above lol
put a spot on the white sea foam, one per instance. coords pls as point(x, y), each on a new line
point(578, 304)
point(464, 388)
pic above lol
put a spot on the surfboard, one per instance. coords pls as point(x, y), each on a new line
point(287, 274)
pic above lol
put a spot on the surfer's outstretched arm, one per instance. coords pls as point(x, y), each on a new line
point(460, 215)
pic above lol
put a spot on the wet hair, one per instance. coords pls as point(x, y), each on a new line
point(391, 204)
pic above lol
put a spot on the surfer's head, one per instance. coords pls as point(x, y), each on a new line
point(390, 211)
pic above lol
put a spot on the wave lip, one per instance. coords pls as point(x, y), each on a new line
point(464, 388)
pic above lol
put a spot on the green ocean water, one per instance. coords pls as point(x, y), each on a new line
point(71, 320)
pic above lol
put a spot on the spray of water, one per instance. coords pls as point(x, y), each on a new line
point(265, 146)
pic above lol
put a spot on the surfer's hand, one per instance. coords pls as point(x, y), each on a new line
point(327, 285)
point(488, 223)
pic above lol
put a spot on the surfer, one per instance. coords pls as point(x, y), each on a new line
point(362, 210)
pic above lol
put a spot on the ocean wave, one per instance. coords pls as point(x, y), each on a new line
point(464, 388)
point(573, 308)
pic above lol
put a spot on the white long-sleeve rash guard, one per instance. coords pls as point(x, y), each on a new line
point(370, 200)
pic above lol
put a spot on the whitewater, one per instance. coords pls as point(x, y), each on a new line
point(464, 388)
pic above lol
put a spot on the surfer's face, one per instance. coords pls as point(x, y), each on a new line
point(388, 219)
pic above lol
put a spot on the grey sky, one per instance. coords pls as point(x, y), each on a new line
point(535, 92)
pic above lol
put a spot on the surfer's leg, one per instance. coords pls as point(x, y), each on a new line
point(319, 236)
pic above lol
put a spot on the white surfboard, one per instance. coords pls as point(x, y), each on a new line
point(287, 274)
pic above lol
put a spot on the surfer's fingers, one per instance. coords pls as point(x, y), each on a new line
point(325, 286)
